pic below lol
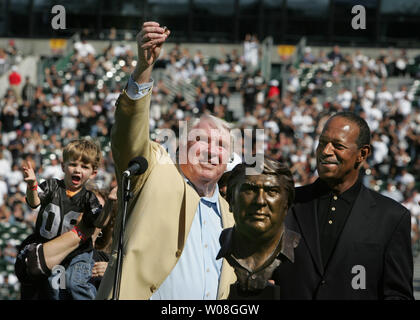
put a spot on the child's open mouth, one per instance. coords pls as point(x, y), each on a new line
point(75, 179)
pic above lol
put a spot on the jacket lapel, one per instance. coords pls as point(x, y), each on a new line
point(227, 276)
point(306, 216)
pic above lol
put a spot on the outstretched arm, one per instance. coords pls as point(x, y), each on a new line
point(130, 133)
point(57, 249)
point(37, 259)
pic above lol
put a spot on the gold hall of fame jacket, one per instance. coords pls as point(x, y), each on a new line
point(160, 212)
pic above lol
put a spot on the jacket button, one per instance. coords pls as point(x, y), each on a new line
point(152, 288)
point(178, 253)
point(323, 282)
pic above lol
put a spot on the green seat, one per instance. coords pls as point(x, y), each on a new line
point(10, 268)
point(23, 236)
point(5, 225)
point(14, 230)
point(6, 236)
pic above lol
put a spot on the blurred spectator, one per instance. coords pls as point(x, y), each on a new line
point(406, 178)
point(273, 91)
point(14, 81)
point(5, 165)
point(412, 203)
point(401, 64)
point(251, 52)
point(28, 91)
point(249, 94)
point(393, 193)
point(53, 170)
point(9, 287)
point(293, 84)
point(10, 252)
point(14, 177)
point(335, 55)
point(308, 57)
point(69, 89)
point(112, 36)
point(84, 48)
point(121, 49)
point(3, 61)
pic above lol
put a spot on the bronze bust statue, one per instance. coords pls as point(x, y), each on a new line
point(259, 241)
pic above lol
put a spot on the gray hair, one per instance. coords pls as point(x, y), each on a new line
point(193, 122)
point(220, 123)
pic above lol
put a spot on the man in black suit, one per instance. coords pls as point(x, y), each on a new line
point(355, 242)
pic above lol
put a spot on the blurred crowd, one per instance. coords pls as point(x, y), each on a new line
point(9, 56)
point(78, 100)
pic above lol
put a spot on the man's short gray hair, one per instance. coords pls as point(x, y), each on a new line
point(220, 123)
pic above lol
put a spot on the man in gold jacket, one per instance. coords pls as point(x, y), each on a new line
point(176, 215)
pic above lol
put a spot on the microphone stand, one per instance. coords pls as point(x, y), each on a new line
point(126, 197)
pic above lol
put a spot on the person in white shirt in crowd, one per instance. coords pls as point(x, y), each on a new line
point(307, 122)
point(221, 67)
point(199, 70)
point(406, 178)
point(404, 106)
point(70, 113)
point(251, 51)
point(392, 192)
point(3, 149)
point(401, 93)
point(3, 190)
point(380, 149)
point(84, 48)
point(14, 178)
point(53, 170)
point(401, 64)
point(122, 49)
point(5, 165)
point(344, 97)
point(384, 96)
point(293, 81)
point(70, 88)
point(374, 117)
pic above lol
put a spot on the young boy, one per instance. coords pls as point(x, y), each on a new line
point(62, 204)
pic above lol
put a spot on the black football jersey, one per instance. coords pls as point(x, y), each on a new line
point(59, 213)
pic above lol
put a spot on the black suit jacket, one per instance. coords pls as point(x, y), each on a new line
point(376, 238)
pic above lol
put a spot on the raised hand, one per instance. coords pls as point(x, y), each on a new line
point(29, 174)
point(149, 43)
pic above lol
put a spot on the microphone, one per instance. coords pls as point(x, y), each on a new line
point(136, 166)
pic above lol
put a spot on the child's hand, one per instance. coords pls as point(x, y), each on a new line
point(29, 174)
point(99, 269)
point(113, 194)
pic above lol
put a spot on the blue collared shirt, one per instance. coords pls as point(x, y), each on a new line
point(196, 275)
point(136, 91)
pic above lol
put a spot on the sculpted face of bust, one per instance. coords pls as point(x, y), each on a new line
point(259, 205)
